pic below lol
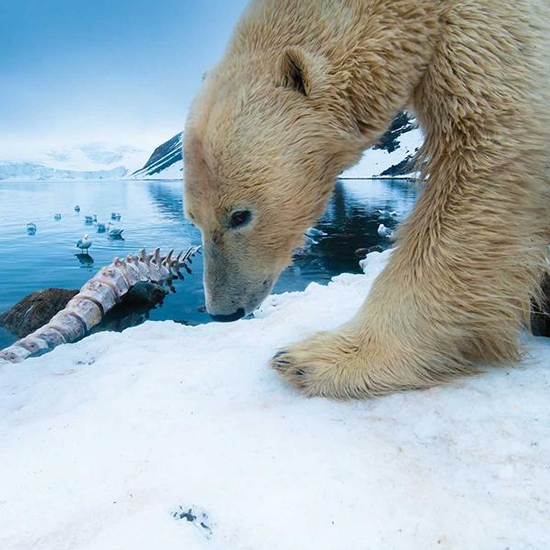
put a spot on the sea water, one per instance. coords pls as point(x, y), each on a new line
point(152, 216)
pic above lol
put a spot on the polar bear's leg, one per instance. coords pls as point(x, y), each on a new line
point(453, 295)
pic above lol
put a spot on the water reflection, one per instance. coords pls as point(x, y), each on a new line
point(85, 259)
point(168, 200)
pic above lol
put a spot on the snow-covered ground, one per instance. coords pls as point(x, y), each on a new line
point(171, 437)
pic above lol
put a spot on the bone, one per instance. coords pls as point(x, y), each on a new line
point(96, 297)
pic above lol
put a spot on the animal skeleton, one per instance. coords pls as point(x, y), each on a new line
point(96, 298)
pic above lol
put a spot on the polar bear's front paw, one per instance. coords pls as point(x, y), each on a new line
point(327, 364)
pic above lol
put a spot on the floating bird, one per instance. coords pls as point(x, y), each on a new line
point(101, 228)
point(31, 228)
point(309, 241)
point(77, 208)
point(385, 232)
point(116, 216)
point(84, 243)
point(57, 216)
point(386, 213)
point(88, 220)
point(114, 232)
point(314, 232)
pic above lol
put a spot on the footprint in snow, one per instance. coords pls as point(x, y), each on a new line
point(196, 516)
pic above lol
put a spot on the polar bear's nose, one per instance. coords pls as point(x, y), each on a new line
point(227, 318)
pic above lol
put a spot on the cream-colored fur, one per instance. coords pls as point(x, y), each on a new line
point(304, 88)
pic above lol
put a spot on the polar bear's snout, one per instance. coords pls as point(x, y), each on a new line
point(232, 289)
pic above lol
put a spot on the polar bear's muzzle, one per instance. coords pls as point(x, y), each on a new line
point(231, 302)
point(233, 288)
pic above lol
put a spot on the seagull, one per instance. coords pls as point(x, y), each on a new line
point(114, 232)
point(309, 241)
point(84, 243)
point(57, 216)
point(31, 228)
point(116, 216)
point(386, 213)
point(90, 219)
point(101, 228)
point(385, 232)
point(77, 208)
point(314, 232)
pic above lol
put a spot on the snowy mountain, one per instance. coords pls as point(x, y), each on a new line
point(29, 171)
point(392, 156)
point(83, 162)
point(166, 162)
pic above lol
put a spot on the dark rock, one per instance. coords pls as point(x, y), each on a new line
point(401, 124)
point(35, 310)
point(403, 168)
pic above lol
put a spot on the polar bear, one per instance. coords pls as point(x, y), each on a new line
point(304, 88)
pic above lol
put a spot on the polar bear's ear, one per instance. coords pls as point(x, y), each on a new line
point(294, 71)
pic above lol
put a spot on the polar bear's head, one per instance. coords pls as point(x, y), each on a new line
point(264, 143)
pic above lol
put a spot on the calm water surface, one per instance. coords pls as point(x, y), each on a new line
point(152, 215)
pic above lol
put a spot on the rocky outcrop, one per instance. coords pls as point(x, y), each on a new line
point(35, 310)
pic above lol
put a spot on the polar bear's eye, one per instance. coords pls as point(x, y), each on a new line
point(240, 218)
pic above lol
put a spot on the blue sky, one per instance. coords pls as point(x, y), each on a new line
point(119, 71)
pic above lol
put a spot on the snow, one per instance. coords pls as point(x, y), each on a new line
point(133, 440)
point(173, 172)
point(375, 161)
point(81, 162)
point(28, 171)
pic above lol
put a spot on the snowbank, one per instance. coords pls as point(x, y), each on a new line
point(133, 440)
